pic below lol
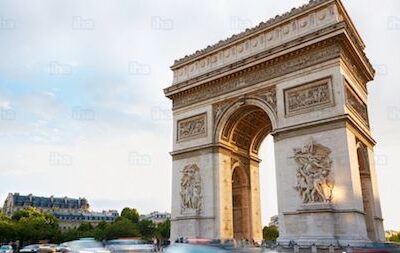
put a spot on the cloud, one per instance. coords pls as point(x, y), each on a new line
point(81, 93)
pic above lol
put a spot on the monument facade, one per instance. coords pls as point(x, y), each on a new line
point(302, 78)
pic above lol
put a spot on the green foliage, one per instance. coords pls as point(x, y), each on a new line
point(30, 226)
point(122, 227)
point(8, 230)
point(394, 238)
point(270, 233)
point(131, 214)
point(163, 230)
point(147, 229)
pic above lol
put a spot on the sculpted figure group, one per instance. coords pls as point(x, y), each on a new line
point(191, 196)
point(314, 182)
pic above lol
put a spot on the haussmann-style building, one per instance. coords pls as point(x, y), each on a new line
point(70, 212)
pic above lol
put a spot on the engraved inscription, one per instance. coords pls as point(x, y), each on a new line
point(191, 128)
point(309, 97)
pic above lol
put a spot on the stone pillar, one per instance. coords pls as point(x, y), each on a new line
point(255, 208)
point(337, 220)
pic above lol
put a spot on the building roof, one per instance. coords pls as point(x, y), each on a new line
point(90, 216)
point(48, 202)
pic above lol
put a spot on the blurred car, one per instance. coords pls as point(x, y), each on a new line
point(84, 246)
point(6, 249)
point(39, 248)
point(30, 248)
point(129, 245)
point(194, 248)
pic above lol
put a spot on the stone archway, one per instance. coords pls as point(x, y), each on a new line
point(240, 204)
point(301, 77)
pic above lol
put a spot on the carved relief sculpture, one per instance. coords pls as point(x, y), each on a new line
point(357, 105)
point(191, 195)
point(264, 72)
point(309, 97)
point(194, 127)
point(314, 180)
point(220, 108)
point(270, 97)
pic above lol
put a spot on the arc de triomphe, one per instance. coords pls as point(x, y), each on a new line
point(301, 77)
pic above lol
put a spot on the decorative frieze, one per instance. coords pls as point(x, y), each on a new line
point(192, 128)
point(309, 97)
point(191, 190)
point(264, 72)
point(314, 180)
point(354, 102)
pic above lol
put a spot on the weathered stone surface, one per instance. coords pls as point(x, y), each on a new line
point(297, 80)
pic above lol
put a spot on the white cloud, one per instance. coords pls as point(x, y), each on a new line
point(91, 110)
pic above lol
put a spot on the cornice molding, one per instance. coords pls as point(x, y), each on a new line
point(271, 23)
point(273, 68)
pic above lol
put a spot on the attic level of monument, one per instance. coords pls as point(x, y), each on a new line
point(272, 23)
point(326, 20)
point(270, 68)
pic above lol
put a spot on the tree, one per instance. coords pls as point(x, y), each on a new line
point(122, 227)
point(85, 227)
point(7, 229)
point(394, 238)
point(32, 225)
point(99, 231)
point(270, 233)
point(131, 214)
point(163, 230)
point(147, 229)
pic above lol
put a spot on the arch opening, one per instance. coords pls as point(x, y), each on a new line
point(366, 190)
point(243, 133)
point(246, 128)
point(240, 204)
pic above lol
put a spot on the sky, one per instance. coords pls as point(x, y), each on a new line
point(82, 109)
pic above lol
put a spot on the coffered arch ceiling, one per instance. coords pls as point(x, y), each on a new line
point(246, 128)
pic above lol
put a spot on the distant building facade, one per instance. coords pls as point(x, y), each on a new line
point(70, 212)
point(70, 220)
point(156, 217)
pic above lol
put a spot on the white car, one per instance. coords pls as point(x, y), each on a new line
point(84, 246)
point(6, 249)
point(30, 248)
point(130, 246)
